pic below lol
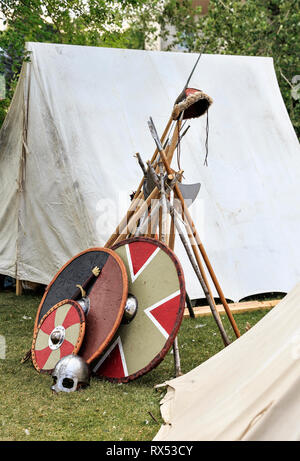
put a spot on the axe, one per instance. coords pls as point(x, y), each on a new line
point(189, 191)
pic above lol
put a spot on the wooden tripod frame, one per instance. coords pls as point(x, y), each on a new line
point(166, 180)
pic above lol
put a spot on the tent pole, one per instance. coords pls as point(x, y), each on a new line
point(19, 287)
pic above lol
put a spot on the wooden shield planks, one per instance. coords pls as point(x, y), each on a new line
point(107, 296)
point(155, 278)
point(59, 333)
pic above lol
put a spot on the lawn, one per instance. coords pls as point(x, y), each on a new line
point(102, 412)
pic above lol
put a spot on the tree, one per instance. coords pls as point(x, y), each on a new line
point(253, 28)
point(110, 23)
point(241, 27)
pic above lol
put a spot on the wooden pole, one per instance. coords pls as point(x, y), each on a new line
point(129, 226)
point(164, 210)
point(19, 287)
point(211, 271)
point(134, 208)
point(154, 224)
point(155, 154)
point(198, 269)
point(151, 218)
point(201, 248)
point(172, 235)
point(163, 204)
point(189, 306)
point(203, 284)
point(192, 240)
point(171, 244)
point(177, 363)
point(120, 229)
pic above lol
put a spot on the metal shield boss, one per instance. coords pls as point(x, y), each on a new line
point(60, 333)
point(155, 279)
point(102, 304)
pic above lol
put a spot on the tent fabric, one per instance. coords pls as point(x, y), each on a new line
point(11, 140)
point(248, 391)
point(67, 161)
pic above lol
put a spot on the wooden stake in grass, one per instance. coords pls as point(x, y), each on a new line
point(19, 287)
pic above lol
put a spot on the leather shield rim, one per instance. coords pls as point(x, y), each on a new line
point(105, 250)
point(161, 355)
point(79, 339)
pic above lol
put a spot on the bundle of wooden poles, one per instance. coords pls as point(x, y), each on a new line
point(159, 209)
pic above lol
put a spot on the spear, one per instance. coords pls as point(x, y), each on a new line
point(182, 94)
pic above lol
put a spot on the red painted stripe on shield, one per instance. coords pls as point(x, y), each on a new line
point(140, 252)
point(42, 356)
point(112, 367)
point(166, 313)
point(71, 318)
point(48, 324)
point(66, 348)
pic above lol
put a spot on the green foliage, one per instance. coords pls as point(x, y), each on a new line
point(240, 27)
point(252, 28)
point(78, 22)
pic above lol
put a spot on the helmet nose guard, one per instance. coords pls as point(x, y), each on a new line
point(70, 374)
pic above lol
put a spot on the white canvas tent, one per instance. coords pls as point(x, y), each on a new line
point(248, 391)
point(67, 168)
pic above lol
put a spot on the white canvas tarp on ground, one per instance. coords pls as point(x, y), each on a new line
point(67, 162)
point(248, 391)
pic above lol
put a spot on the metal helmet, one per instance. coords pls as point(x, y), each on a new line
point(70, 374)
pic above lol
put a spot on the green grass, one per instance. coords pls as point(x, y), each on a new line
point(104, 411)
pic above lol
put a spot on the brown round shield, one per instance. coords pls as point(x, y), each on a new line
point(155, 278)
point(106, 293)
point(59, 333)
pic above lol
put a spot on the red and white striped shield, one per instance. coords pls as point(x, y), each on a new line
point(59, 333)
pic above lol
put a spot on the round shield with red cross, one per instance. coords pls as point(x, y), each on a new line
point(156, 281)
point(60, 333)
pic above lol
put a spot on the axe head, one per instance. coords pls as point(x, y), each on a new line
point(189, 192)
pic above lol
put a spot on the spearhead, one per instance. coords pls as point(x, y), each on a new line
point(154, 134)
